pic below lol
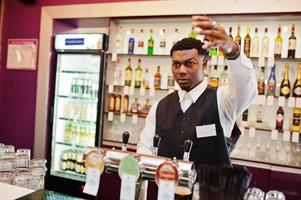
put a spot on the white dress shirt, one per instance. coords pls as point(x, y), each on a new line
point(232, 100)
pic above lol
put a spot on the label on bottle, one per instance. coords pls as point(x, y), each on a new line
point(157, 82)
point(260, 87)
point(162, 44)
point(131, 46)
point(296, 119)
point(297, 91)
point(278, 47)
point(140, 44)
point(259, 115)
point(118, 103)
point(128, 77)
point(150, 44)
point(112, 102)
point(292, 44)
point(265, 48)
point(271, 88)
point(214, 82)
point(255, 48)
point(285, 90)
point(279, 119)
point(138, 76)
point(247, 47)
point(171, 82)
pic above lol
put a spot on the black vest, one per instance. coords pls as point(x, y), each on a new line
point(174, 127)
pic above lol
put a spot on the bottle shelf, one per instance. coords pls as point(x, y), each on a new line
point(78, 72)
point(142, 55)
point(128, 114)
point(79, 98)
point(76, 120)
point(147, 89)
point(167, 55)
point(70, 175)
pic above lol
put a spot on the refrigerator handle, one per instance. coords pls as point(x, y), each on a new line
point(51, 115)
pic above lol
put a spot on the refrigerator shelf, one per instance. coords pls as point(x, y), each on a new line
point(78, 72)
point(76, 120)
point(71, 144)
point(70, 175)
point(78, 98)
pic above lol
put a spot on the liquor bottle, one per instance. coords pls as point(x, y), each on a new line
point(279, 119)
point(265, 44)
point(140, 42)
point(247, 43)
point(224, 76)
point(271, 83)
point(255, 45)
point(73, 87)
point(119, 41)
point(162, 43)
point(176, 36)
point(131, 42)
point(238, 37)
point(128, 74)
point(117, 106)
point(125, 104)
point(192, 34)
point(170, 81)
point(297, 85)
point(157, 79)
point(259, 116)
point(136, 107)
point(214, 78)
point(146, 79)
point(245, 115)
point(146, 107)
point(138, 74)
point(230, 32)
point(79, 88)
point(112, 102)
point(292, 44)
point(150, 44)
point(285, 87)
point(296, 120)
point(278, 44)
point(261, 83)
point(117, 76)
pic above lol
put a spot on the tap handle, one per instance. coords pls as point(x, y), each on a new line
point(125, 137)
point(187, 146)
point(156, 141)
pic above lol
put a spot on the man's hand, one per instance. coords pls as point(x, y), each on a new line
point(216, 35)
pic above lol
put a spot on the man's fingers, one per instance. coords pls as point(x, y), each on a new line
point(210, 33)
point(205, 24)
point(200, 18)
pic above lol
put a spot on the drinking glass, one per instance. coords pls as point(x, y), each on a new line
point(38, 163)
point(38, 177)
point(22, 179)
point(274, 195)
point(6, 177)
point(24, 152)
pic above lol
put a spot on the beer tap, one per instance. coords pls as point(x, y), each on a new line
point(187, 148)
point(156, 143)
point(125, 140)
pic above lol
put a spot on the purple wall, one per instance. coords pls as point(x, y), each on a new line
point(18, 88)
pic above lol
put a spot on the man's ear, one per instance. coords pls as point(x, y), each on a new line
point(205, 61)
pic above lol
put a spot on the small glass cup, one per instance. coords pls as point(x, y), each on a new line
point(2, 145)
point(7, 164)
point(9, 148)
point(22, 161)
point(274, 195)
point(254, 194)
point(38, 163)
point(6, 177)
point(8, 154)
point(22, 179)
point(24, 152)
point(38, 177)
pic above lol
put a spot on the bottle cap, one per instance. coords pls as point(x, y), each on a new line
point(125, 137)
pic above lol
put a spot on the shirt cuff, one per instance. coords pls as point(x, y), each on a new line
point(241, 60)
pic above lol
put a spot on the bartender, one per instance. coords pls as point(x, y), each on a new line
point(196, 111)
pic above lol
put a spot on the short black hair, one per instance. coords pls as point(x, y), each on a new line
point(189, 43)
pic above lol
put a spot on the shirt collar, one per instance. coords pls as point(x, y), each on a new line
point(195, 93)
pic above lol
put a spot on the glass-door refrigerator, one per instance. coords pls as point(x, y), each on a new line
point(76, 113)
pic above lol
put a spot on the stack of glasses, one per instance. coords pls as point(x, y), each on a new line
point(16, 168)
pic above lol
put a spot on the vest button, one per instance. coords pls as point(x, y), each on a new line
point(183, 118)
point(182, 132)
